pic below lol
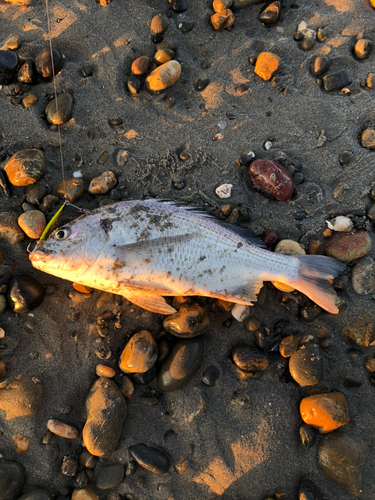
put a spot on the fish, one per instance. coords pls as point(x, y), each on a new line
point(151, 249)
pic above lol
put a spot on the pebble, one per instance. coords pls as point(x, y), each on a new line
point(127, 387)
point(326, 412)
point(103, 158)
point(362, 330)
point(345, 157)
point(224, 191)
point(87, 460)
point(37, 494)
point(308, 491)
point(140, 353)
point(84, 494)
point(110, 476)
point(134, 85)
point(181, 465)
point(240, 312)
point(288, 346)
point(8, 66)
point(307, 44)
point(201, 84)
point(27, 73)
point(163, 55)
point(190, 321)
point(43, 62)
point(370, 365)
point(25, 167)
point(61, 429)
point(82, 288)
point(307, 436)
point(4, 184)
point(348, 246)
point(181, 365)
point(106, 412)
point(222, 20)
point(266, 66)
point(29, 101)
point(159, 24)
point(70, 189)
point(164, 76)
point(86, 71)
point(169, 102)
point(363, 276)
point(32, 223)
point(306, 365)
point(150, 458)
point(21, 398)
point(122, 157)
point(13, 43)
point(24, 294)
point(104, 371)
point(9, 228)
point(140, 65)
point(69, 467)
point(341, 224)
point(60, 109)
point(368, 138)
point(337, 80)
point(270, 13)
point(12, 479)
point(321, 65)
point(249, 359)
point(210, 375)
point(371, 212)
point(363, 48)
point(341, 459)
point(102, 184)
point(48, 203)
point(220, 5)
point(271, 178)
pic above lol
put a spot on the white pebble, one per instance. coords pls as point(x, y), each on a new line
point(268, 145)
point(340, 223)
point(224, 191)
point(240, 312)
point(222, 125)
point(306, 32)
point(78, 173)
point(2, 333)
point(251, 154)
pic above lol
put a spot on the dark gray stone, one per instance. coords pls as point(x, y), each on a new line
point(336, 81)
point(12, 479)
point(38, 494)
point(150, 458)
point(110, 477)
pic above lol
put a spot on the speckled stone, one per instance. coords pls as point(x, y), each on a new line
point(21, 398)
point(361, 331)
point(363, 276)
point(70, 189)
point(25, 167)
point(306, 365)
point(348, 246)
point(60, 109)
point(33, 223)
point(102, 184)
point(9, 228)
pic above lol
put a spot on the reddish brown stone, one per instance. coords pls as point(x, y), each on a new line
point(348, 246)
point(326, 412)
point(71, 189)
point(271, 178)
point(140, 65)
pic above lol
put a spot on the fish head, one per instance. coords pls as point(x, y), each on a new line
point(63, 254)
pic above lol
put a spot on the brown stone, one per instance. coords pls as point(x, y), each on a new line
point(127, 387)
point(140, 353)
point(222, 20)
point(102, 184)
point(159, 24)
point(9, 228)
point(21, 398)
point(61, 429)
point(370, 365)
point(368, 138)
point(220, 5)
point(29, 101)
point(315, 247)
point(348, 246)
point(140, 65)
point(84, 494)
point(306, 365)
point(71, 189)
point(288, 346)
point(164, 55)
point(325, 412)
point(190, 321)
point(32, 223)
point(3, 369)
point(82, 288)
point(341, 459)
point(363, 276)
point(266, 65)
point(25, 167)
point(362, 330)
point(164, 76)
point(362, 48)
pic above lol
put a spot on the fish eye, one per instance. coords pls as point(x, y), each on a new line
point(62, 233)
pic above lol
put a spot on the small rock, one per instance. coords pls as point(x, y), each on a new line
point(339, 190)
point(345, 157)
point(240, 312)
point(368, 138)
point(288, 346)
point(306, 365)
point(222, 20)
point(61, 429)
point(4, 184)
point(134, 85)
point(201, 84)
point(87, 460)
point(321, 65)
point(60, 109)
point(341, 224)
point(140, 65)
point(86, 71)
point(84, 494)
point(271, 178)
point(270, 13)
point(29, 101)
point(309, 313)
point(181, 365)
point(363, 276)
point(220, 5)
point(25, 167)
point(336, 81)
point(69, 467)
point(181, 465)
point(361, 331)
point(307, 436)
point(325, 412)
point(8, 66)
point(102, 184)
point(110, 477)
point(122, 157)
point(48, 203)
point(27, 73)
point(127, 387)
point(190, 321)
point(370, 365)
point(70, 189)
point(371, 212)
point(9, 228)
point(266, 66)
point(150, 458)
point(249, 359)
point(25, 293)
point(307, 44)
point(12, 479)
point(32, 223)
point(43, 62)
point(348, 246)
point(363, 48)
point(321, 36)
point(38, 494)
point(341, 459)
point(224, 191)
point(159, 24)
point(164, 76)
point(106, 412)
point(13, 42)
point(308, 491)
point(21, 398)
point(140, 353)
point(104, 371)
point(163, 55)
point(210, 375)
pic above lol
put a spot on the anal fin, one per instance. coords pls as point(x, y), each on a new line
point(151, 302)
point(247, 292)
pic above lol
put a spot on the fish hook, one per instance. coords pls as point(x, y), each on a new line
point(36, 246)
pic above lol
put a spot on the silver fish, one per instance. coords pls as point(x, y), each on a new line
point(147, 250)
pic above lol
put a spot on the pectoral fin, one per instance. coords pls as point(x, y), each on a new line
point(153, 303)
point(247, 292)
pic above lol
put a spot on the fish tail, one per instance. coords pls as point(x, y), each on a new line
point(313, 273)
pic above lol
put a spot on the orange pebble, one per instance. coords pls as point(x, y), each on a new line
point(222, 20)
point(82, 288)
point(266, 65)
point(61, 429)
point(140, 353)
point(327, 233)
point(105, 371)
point(326, 412)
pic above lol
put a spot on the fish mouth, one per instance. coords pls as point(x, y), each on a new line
point(39, 257)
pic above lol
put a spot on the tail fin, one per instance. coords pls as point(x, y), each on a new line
point(314, 271)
